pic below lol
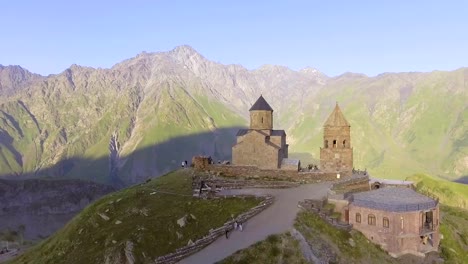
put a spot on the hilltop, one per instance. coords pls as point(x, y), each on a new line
point(142, 221)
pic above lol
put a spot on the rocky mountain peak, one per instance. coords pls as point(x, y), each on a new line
point(14, 77)
point(186, 55)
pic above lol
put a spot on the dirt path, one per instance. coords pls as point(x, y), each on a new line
point(278, 218)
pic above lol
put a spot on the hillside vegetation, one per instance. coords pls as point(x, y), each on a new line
point(146, 114)
point(328, 244)
point(450, 193)
point(141, 221)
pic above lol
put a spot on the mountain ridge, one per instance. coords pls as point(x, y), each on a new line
point(153, 97)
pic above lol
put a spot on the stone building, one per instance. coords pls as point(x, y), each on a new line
point(260, 145)
point(397, 218)
point(336, 154)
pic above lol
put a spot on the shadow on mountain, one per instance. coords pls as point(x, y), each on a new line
point(141, 164)
point(463, 179)
point(41, 202)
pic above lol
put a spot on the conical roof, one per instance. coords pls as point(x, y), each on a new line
point(261, 105)
point(336, 118)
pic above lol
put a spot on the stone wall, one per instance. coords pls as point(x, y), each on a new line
point(340, 159)
point(309, 205)
point(234, 183)
point(213, 234)
point(339, 155)
point(200, 162)
point(357, 183)
point(254, 150)
point(261, 119)
point(252, 172)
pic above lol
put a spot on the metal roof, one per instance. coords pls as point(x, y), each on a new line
point(395, 199)
point(261, 105)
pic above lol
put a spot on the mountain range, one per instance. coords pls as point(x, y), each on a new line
point(143, 116)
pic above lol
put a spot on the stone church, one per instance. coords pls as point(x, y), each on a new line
point(260, 145)
point(336, 154)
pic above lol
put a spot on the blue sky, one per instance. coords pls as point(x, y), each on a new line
point(369, 37)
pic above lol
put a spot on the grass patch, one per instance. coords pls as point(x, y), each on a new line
point(141, 215)
point(449, 193)
point(334, 244)
point(274, 249)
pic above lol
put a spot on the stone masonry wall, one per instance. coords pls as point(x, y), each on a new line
point(253, 150)
point(336, 159)
point(337, 156)
point(285, 175)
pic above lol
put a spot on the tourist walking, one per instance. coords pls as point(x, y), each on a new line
point(227, 232)
point(235, 225)
point(240, 227)
point(183, 164)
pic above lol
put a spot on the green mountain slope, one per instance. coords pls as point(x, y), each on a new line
point(148, 113)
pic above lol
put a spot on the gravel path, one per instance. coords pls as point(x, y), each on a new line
point(278, 218)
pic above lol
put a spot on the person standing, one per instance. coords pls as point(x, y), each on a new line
point(227, 232)
point(235, 225)
point(240, 227)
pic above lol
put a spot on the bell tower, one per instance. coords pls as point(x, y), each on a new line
point(336, 155)
point(261, 115)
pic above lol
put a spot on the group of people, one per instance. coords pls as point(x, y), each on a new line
point(4, 251)
point(236, 225)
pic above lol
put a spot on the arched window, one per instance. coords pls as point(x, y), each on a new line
point(386, 222)
point(326, 143)
point(344, 143)
point(371, 219)
point(358, 218)
point(334, 143)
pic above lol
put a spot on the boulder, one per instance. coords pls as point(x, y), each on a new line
point(182, 221)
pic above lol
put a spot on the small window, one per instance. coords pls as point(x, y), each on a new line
point(386, 222)
point(371, 220)
point(334, 143)
point(326, 143)
point(344, 143)
point(402, 223)
point(358, 218)
point(262, 120)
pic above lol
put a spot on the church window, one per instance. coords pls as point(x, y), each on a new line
point(344, 143)
point(358, 218)
point(326, 143)
point(334, 143)
point(386, 222)
point(371, 219)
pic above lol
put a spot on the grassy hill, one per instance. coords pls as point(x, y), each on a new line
point(144, 216)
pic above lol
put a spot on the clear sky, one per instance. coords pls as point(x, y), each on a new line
point(369, 37)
